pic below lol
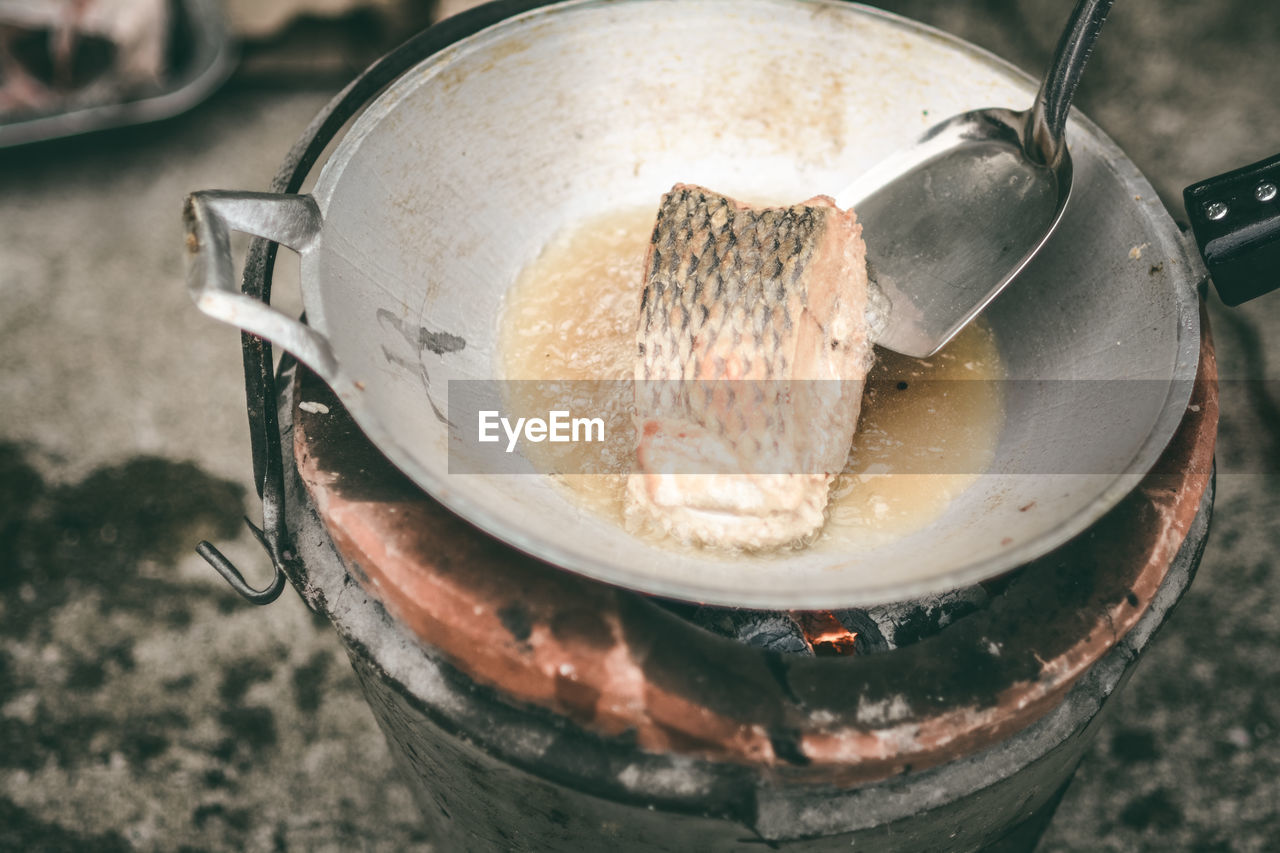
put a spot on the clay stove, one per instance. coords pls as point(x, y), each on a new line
point(538, 710)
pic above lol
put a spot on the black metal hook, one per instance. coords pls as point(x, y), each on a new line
point(232, 575)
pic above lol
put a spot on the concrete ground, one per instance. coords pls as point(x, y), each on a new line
point(144, 706)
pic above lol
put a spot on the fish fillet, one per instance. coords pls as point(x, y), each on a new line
point(752, 346)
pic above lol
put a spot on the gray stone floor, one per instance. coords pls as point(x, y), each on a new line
point(142, 706)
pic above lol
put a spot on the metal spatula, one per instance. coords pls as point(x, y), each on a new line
point(951, 221)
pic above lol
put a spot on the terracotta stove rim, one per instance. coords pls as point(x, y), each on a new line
point(1081, 704)
point(670, 722)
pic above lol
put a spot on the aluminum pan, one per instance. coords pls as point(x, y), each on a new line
point(458, 174)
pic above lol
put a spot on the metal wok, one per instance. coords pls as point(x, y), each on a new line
point(458, 173)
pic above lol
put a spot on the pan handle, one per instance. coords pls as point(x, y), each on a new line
point(290, 220)
point(1236, 221)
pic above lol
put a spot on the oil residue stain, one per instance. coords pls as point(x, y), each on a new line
point(82, 571)
point(926, 432)
point(57, 541)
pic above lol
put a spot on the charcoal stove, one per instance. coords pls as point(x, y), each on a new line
point(533, 709)
point(536, 709)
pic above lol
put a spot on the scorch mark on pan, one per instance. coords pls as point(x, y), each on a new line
point(420, 338)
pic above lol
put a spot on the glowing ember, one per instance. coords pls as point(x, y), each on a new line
point(825, 634)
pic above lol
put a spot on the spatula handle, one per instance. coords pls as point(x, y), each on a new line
point(1045, 137)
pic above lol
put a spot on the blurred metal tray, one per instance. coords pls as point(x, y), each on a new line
point(208, 57)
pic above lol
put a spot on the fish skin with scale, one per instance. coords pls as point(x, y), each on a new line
point(753, 340)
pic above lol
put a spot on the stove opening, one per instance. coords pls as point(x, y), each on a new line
point(826, 635)
point(837, 633)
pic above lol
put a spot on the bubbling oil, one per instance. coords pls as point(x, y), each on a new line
point(927, 430)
